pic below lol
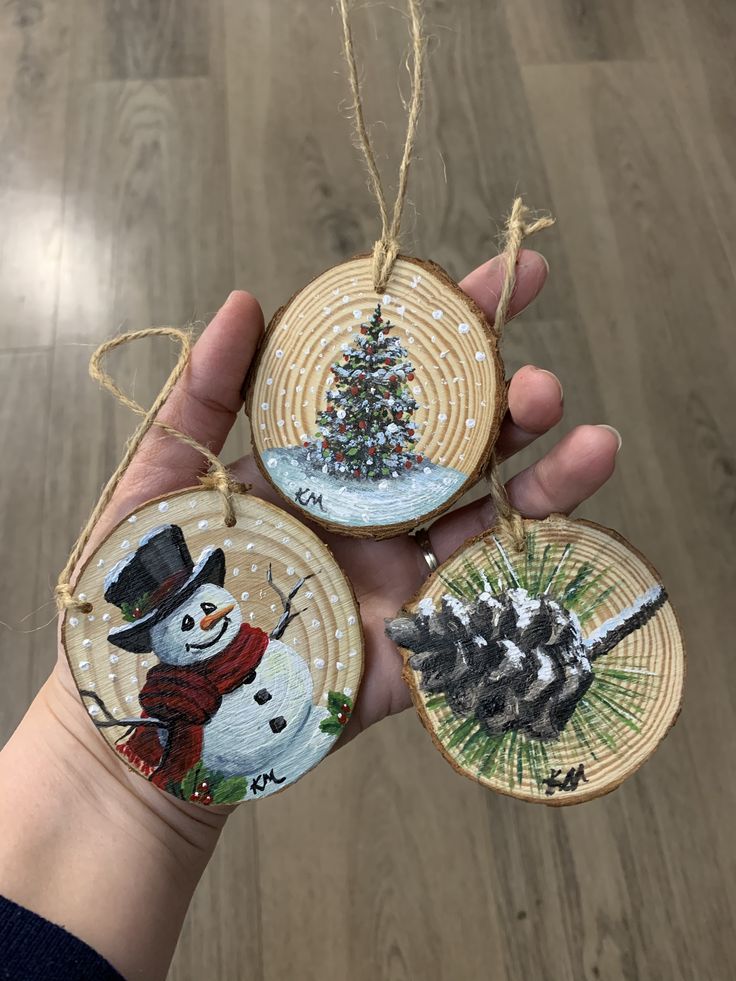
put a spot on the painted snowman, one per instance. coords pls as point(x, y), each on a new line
point(224, 694)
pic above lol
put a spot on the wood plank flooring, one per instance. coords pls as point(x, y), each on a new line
point(156, 155)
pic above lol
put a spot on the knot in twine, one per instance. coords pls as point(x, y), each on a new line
point(217, 478)
point(386, 249)
point(516, 230)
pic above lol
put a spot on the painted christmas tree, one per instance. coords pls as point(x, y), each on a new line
point(366, 429)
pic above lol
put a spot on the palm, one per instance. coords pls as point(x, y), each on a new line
point(384, 574)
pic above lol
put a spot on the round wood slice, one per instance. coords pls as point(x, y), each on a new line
point(244, 643)
point(456, 381)
point(552, 674)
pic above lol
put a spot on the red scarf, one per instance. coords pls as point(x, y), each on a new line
point(186, 699)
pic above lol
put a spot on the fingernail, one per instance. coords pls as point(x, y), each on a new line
point(615, 432)
point(557, 381)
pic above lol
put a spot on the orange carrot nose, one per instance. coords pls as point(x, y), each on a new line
point(212, 618)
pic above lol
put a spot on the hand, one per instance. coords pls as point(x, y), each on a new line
point(146, 847)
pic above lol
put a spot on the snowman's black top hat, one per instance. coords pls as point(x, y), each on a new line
point(153, 581)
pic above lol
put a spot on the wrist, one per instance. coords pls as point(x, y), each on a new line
point(91, 845)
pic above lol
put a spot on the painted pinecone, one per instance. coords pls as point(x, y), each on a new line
point(514, 661)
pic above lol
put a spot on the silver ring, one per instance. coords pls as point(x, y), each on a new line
point(421, 537)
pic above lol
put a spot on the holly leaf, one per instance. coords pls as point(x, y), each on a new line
point(190, 780)
point(230, 791)
point(331, 726)
point(335, 701)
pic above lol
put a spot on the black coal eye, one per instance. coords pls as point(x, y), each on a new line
point(208, 608)
point(187, 623)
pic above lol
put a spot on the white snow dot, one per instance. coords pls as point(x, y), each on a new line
point(73, 622)
point(480, 356)
point(94, 710)
point(387, 300)
point(86, 642)
point(327, 311)
point(469, 423)
point(100, 563)
point(351, 620)
point(272, 462)
point(269, 381)
point(314, 623)
point(245, 596)
point(463, 328)
point(338, 634)
point(437, 315)
point(319, 662)
point(340, 666)
point(236, 571)
point(442, 417)
point(228, 543)
point(427, 470)
point(192, 502)
point(129, 698)
point(280, 422)
point(82, 597)
point(347, 691)
point(105, 617)
point(204, 523)
point(112, 676)
point(132, 519)
point(264, 406)
point(357, 314)
point(401, 311)
point(145, 662)
point(307, 555)
point(163, 506)
point(91, 618)
point(290, 570)
point(383, 485)
point(334, 598)
point(125, 544)
point(352, 652)
point(249, 547)
point(309, 594)
point(133, 679)
point(279, 353)
point(84, 665)
point(254, 568)
point(114, 658)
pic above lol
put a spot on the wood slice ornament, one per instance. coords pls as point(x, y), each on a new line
point(549, 674)
point(219, 662)
point(375, 411)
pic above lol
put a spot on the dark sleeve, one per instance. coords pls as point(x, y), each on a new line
point(33, 949)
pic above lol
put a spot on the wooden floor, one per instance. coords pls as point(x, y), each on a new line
point(154, 155)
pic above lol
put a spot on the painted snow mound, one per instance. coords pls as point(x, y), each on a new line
point(361, 502)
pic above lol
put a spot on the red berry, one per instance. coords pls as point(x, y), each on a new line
point(207, 799)
point(371, 451)
point(137, 612)
point(340, 429)
point(346, 708)
point(388, 361)
point(399, 414)
point(354, 390)
point(408, 464)
point(393, 378)
point(342, 719)
point(410, 432)
point(363, 330)
point(203, 787)
point(361, 375)
point(356, 472)
point(410, 376)
point(369, 350)
point(346, 357)
point(362, 424)
point(325, 444)
point(420, 458)
point(305, 444)
point(195, 796)
point(339, 456)
point(330, 408)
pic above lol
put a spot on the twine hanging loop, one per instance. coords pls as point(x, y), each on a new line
point(386, 249)
point(218, 477)
point(518, 228)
